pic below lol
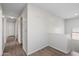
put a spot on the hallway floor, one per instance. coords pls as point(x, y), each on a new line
point(13, 48)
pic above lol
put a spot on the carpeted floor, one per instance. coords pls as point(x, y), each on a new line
point(13, 48)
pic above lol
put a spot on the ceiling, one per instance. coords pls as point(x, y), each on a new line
point(64, 10)
point(12, 9)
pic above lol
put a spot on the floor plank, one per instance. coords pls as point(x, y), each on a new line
point(13, 48)
point(48, 51)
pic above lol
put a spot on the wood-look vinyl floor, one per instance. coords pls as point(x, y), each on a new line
point(13, 48)
point(48, 51)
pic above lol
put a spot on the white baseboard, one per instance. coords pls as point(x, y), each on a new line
point(3, 49)
point(29, 53)
point(66, 52)
point(25, 50)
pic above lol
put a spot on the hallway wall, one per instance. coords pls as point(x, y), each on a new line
point(5, 32)
point(1, 51)
point(24, 28)
point(19, 30)
point(16, 29)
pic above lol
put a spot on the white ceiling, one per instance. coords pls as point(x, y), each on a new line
point(12, 9)
point(64, 10)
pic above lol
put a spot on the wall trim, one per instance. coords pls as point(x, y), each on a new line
point(29, 53)
point(66, 52)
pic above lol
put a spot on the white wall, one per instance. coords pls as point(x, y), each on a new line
point(45, 29)
point(57, 37)
point(37, 28)
point(56, 25)
point(4, 32)
point(41, 29)
point(19, 30)
point(0, 31)
point(24, 29)
point(16, 29)
point(72, 24)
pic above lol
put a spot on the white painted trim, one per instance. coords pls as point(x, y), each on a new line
point(66, 52)
point(29, 53)
point(25, 51)
point(3, 49)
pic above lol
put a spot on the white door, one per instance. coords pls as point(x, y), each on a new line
point(11, 29)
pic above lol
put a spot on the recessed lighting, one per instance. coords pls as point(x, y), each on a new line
point(11, 17)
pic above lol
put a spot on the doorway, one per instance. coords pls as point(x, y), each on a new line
point(21, 30)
